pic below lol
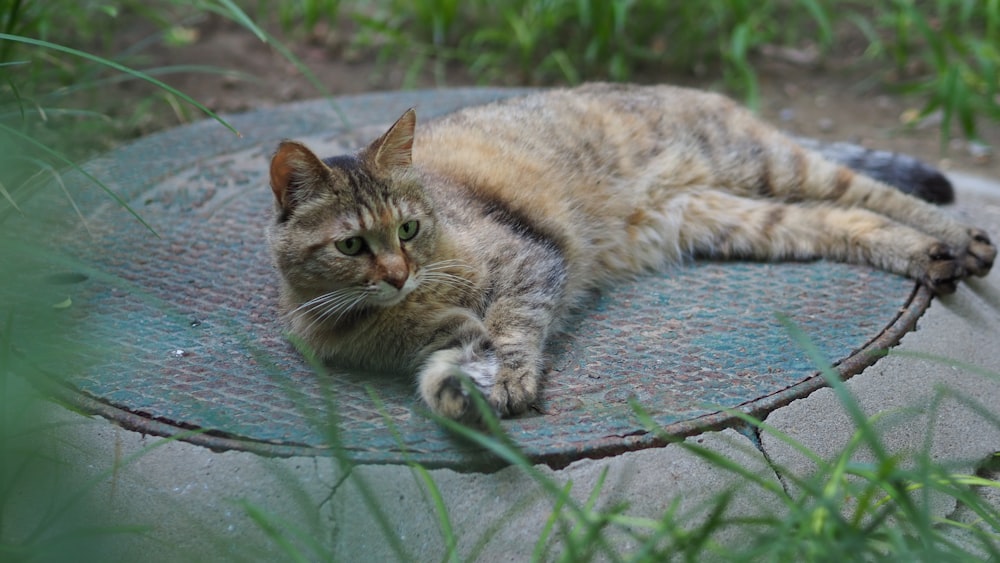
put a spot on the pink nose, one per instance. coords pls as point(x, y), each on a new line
point(397, 279)
point(393, 270)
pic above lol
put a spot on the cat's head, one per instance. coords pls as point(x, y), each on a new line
point(352, 231)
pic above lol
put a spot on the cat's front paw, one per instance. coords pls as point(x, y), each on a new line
point(980, 254)
point(514, 391)
point(442, 387)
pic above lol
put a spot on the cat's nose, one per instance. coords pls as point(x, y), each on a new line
point(394, 270)
point(397, 281)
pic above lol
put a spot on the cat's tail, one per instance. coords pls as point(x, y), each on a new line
point(908, 174)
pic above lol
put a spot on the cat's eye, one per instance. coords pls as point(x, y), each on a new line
point(408, 230)
point(350, 246)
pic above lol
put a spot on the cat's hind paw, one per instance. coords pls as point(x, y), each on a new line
point(940, 267)
point(941, 270)
point(981, 253)
point(448, 379)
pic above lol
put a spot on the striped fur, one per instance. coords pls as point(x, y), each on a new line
point(901, 171)
point(522, 207)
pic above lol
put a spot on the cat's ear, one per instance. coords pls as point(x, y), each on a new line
point(394, 149)
point(296, 173)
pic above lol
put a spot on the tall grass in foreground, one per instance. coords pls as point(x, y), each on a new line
point(54, 112)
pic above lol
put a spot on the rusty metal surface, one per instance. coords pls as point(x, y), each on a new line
point(178, 331)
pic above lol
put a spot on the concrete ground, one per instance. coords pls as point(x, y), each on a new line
point(195, 504)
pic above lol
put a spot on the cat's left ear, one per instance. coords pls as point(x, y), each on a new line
point(394, 149)
point(296, 174)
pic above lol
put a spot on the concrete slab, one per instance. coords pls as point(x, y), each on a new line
point(500, 516)
point(188, 503)
point(180, 502)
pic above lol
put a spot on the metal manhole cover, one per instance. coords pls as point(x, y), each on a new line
point(179, 331)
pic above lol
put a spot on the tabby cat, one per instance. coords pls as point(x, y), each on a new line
point(454, 251)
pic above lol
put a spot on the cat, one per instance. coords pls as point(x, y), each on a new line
point(454, 251)
point(901, 171)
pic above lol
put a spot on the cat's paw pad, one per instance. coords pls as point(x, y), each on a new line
point(943, 270)
point(514, 391)
point(448, 378)
point(981, 253)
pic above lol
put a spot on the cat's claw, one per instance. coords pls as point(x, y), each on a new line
point(943, 270)
point(981, 253)
point(942, 267)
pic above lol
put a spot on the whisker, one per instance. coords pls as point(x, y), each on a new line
point(450, 279)
point(361, 297)
point(337, 302)
point(313, 301)
point(331, 301)
point(445, 264)
point(326, 298)
point(439, 281)
point(343, 302)
point(311, 324)
point(435, 274)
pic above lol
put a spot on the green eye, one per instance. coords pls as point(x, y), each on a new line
point(350, 246)
point(408, 230)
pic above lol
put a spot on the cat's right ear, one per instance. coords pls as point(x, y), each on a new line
point(296, 173)
point(394, 149)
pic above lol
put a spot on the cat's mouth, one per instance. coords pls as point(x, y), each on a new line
point(385, 295)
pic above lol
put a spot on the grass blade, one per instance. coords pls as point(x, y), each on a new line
point(450, 541)
point(120, 68)
point(6, 195)
point(240, 17)
point(63, 159)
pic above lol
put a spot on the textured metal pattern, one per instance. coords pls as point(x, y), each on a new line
point(185, 335)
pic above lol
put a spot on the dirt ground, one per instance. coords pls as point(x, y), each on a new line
point(830, 99)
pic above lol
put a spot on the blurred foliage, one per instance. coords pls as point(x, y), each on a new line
point(946, 51)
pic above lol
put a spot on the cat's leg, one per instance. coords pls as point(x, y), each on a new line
point(519, 329)
point(530, 291)
point(794, 174)
point(723, 225)
point(972, 245)
point(461, 361)
point(502, 354)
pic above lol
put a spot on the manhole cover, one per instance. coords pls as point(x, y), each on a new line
point(178, 331)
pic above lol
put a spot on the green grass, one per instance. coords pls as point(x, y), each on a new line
point(945, 52)
point(56, 60)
